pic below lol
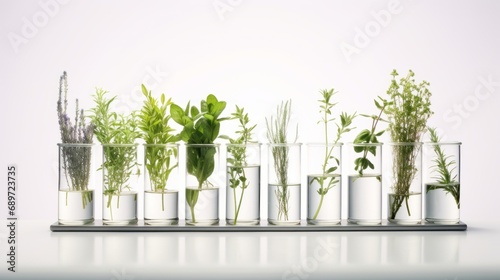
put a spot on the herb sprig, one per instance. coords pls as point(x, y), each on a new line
point(277, 130)
point(158, 159)
point(369, 136)
point(408, 114)
point(445, 168)
point(75, 160)
point(236, 173)
point(200, 126)
point(325, 181)
point(120, 161)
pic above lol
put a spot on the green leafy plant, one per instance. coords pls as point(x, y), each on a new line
point(75, 160)
point(200, 126)
point(277, 130)
point(445, 168)
point(369, 136)
point(120, 161)
point(236, 173)
point(325, 181)
point(407, 114)
point(158, 159)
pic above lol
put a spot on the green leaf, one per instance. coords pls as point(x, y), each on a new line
point(144, 90)
point(194, 112)
point(209, 117)
point(372, 150)
point(380, 133)
point(211, 99)
point(359, 149)
point(363, 136)
point(177, 114)
point(331, 169)
point(370, 164)
point(218, 108)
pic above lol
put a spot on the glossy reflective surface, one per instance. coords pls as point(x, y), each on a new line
point(471, 254)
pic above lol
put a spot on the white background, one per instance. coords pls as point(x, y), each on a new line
point(254, 54)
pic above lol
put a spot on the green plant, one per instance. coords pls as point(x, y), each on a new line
point(445, 167)
point(153, 122)
point(120, 160)
point(200, 126)
point(408, 114)
point(75, 160)
point(369, 136)
point(277, 130)
point(237, 176)
point(325, 181)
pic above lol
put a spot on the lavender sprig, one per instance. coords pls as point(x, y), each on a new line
point(79, 132)
point(75, 160)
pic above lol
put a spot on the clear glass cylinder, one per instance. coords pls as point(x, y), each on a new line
point(120, 174)
point(441, 166)
point(243, 184)
point(364, 183)
point(284, 181)
point(161, 195)
point(202, 184)
point(404, 176)
point(76, 184)
point(324, 183)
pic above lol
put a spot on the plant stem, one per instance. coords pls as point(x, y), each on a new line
point(162, 200)
point(328, 153)
point(235, 207)
point(282, 196)
point(280, 155)
point(191, 206)
point(192, 199)
point(404, 169)
point(375, 122)
point(319, 207)
point(241, 197)
point(110, 199)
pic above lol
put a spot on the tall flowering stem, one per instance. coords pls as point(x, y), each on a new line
point(75, 160)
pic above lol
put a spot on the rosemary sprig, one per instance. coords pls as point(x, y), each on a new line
point(445, 168)
point(277, 130)
point(120, 162)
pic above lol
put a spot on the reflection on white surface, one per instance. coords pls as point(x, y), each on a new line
point(404, 249)
point(242, 248)
point(364, 248)
point(235, 249)
point(282, 248)
point(76, 249)
point(270, 255)
point(160, 250)
point(442, 248)
point(324, 248)
point(257, 255)
point(120, 249)
point(202, 249)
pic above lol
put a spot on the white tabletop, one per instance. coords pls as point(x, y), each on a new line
point(471, 254)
